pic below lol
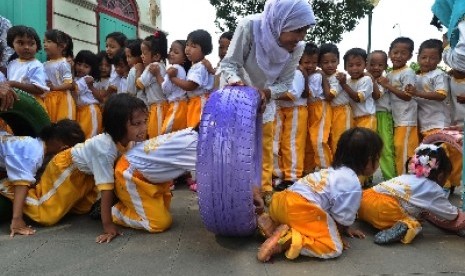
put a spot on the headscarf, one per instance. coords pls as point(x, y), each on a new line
point(450, 13)
point(279, 16)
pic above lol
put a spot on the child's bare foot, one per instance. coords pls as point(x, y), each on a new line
point(266, 225)
point(271, 246)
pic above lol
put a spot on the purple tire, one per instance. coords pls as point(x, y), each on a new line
point(229, 160)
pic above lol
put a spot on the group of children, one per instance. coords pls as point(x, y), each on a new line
point(331, 130)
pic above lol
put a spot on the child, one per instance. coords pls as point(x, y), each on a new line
point(114, 43)
point(143, 178)
point(120, 82)
point(317, 209)
point(71, 179)
point(264, 53)
point(395, 206)
point(199, 81)
point(22, 158)
point(404, 108)
point(376, 66)
point(360, 89)
point(291, 124)
point(26, 72)
point(59, 101)
point(154, 50)
point(341, 119)
point(223, 44)
point(105, 72)
point(317, 151)
point(88, 112)
point(176, 115)
point(134, 60)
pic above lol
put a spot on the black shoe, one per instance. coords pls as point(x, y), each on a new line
point(391, 235)
point(283, 185)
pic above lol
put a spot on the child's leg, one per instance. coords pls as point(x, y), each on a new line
point(312, 232)
point(142, 205)
point(175, 118)
point(277, 137)
point(89, 118)
point(155, 120)
point(385, 128)
point(341, 121)
point(267, 161)
point(319, 128)
point(368, 121)
point(194, 109)
point(383, 212)
point(293, 142)
point(60, 105)
point(405, 142)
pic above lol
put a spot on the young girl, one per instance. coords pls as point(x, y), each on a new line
point(71, 179)
point(404, 108)
point(143, 178)
point(120, 82)
point(59, 101)
point(376, 66)
point(176, 115)
point(105, 71)
point(341, 119)
point(395, 206)
point(360, 89)
point(88, 113)
point(316, 210)
point(154, 50)
point(134, 59)
point(291, 125)
point(22, 157)
point(114, 43)
point(264, 53)
point(26, 72)
point(317, 150)
point(199, 81)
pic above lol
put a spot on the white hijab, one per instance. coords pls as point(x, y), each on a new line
point(279, 16)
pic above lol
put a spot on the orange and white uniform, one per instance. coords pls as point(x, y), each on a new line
point(403, 199)
point(317, 150)
point(156, 100)
point(364, 112)
point(199, 74)
point(72, 179)
point(88, 115)
point(143, 177)
point(404, 114)
point(291, 132)
point(176, 115)
point(59, 104)
point(342, 113)
point(313, 207)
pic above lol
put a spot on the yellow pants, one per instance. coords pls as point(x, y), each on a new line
point(312, 231)
point(317, 150)
point(405, 142)
point(157, 113)
point(267, 156)
point(194, 109)
point(341, 121)
point(290, 139)
point(383, 211)
point(175, 117)
point(60, 105)
point(142, 205)
point(89, 118)
point(368, 121)
point(61, 189)
point(40, 100)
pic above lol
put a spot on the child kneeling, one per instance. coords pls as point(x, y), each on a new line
point(318, 207)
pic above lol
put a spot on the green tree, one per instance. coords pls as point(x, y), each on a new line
point(334, 17)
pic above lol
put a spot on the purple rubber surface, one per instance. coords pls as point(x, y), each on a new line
point(229, 160)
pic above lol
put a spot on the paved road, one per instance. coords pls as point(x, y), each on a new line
point(189, 249)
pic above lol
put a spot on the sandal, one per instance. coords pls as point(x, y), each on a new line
point(192, 184)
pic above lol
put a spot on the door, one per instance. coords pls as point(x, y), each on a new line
point(109, 24)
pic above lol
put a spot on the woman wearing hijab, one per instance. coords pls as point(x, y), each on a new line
point(264, 53)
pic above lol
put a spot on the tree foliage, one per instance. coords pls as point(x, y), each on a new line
point(334, 17)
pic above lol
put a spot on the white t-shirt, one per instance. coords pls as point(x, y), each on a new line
point(198, 73)
point(364, 88)
point(298, 87)
point(152, 89)
point(30, 72)
point(58, 71)
point(85, 95)
point(404, 113)
point(172, 91)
